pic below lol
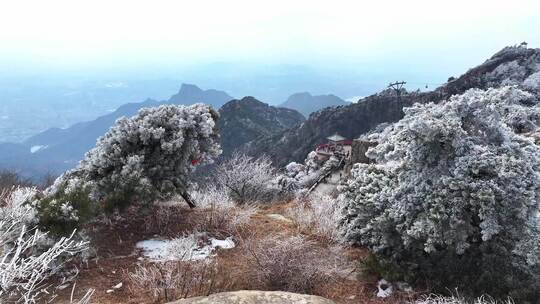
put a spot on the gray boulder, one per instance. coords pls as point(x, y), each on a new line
point(255, 297)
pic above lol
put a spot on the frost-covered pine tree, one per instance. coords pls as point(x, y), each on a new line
point(454, 195)
point(147, 157)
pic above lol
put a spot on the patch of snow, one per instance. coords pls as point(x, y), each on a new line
point(227, 243)
point(37, 148)
point(153, 249)
point(385, 289)
point(187, 248)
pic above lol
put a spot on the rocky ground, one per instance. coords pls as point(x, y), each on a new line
point(116, 256)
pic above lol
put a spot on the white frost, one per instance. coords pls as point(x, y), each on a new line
point(227, 243)
point(37, 148)
point(188, 248)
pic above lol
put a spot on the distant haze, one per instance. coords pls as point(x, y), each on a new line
point(100, 54)
point(376, 41)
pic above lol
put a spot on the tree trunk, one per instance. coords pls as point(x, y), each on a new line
point(188, 199)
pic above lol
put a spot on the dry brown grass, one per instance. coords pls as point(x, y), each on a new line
point(176, 280)
point(288, 264)
point(163, 217)
point(115, 247)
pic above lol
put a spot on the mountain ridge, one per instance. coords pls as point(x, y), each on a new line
point(510, 66)
point(306, 103)
point(56, 150)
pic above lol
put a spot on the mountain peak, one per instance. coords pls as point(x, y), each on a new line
point(190, 94)
point(187, 88)
point(306, 103)
point(243, 120)
point(300, 95)
point(251, 99)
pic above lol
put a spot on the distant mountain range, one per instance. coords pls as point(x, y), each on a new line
point(283, 134)
point(306, 103)
point(56, 150)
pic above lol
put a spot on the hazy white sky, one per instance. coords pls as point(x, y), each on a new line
point(129, 32)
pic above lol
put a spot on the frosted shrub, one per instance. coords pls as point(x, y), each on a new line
point(300, 176)
point(219, 214)
point(163, 217)
point(288, 264)
point(212, 196)
point(318, 214)
point(144, 158)
point(184, 248)
point(61, 212)
point(293, 263)
point(454, 195)
point(247, 179)
point(434, 299)
point(513, 72)
point(533, 82)
point(17, 211)
point(175, 280)
point(28, 256)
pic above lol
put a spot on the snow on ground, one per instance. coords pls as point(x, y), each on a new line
point(187, 248)
point(225, 244)
point(35, 149)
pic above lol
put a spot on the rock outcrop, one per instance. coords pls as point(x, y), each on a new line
point(255, 297)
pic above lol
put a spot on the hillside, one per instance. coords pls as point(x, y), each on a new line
point(306, 103)
point(510, 66)
point(55, 150)
point(247, 119)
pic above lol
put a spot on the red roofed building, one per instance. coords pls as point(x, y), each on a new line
point(336, 145)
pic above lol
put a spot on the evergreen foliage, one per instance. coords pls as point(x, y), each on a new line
point(141, 159)
point(453, 197)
